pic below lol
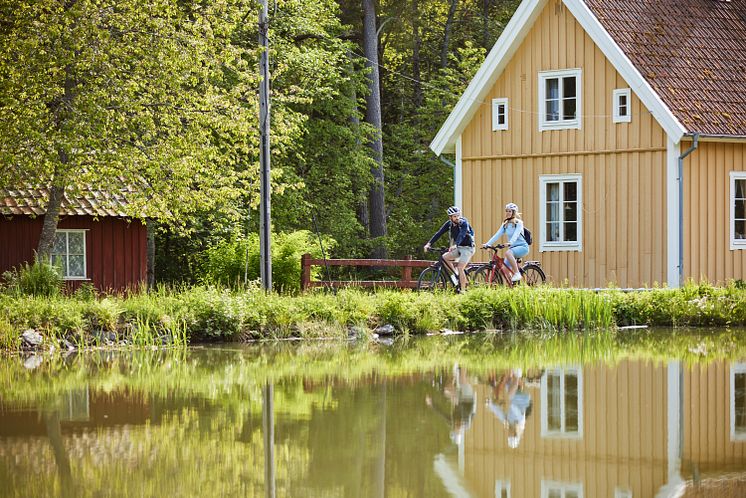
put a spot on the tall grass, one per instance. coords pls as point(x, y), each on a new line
point(197, 314)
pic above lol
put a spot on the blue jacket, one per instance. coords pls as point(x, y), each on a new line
point(462, 234)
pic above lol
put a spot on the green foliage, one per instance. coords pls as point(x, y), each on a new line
point(36, 279)
point(10, 339)
point(225, 263)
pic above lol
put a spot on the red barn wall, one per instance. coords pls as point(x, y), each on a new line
point(116, 252)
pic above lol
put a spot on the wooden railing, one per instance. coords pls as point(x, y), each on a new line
point(406, 280)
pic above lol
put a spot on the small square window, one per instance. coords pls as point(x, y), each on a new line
point(621, 105)
point(499, 114)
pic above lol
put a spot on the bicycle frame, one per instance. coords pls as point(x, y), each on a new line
point(497, 264)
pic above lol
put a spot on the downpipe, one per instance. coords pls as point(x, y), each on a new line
point(691, 149)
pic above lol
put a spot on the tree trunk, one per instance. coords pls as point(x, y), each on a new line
point(362, 207)
point(416, 73)
point(447, 34)
point(151, 254)
point(49, 227)
point(373, 117)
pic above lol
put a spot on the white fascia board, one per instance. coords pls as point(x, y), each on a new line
point(629, 72)
point(489, 71)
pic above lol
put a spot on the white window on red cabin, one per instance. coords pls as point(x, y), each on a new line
point(69, 254)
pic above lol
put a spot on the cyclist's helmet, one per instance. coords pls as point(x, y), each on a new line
point(512, 205)
point(453, 210)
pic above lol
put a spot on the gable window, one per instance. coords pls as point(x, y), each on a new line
point(622, 103)
point(552, 489)
point(499, 114)
point(560, 212)
point(738, 210)
point(68, 254)
point(738, 402)
point(559, 99)
point(562, 403)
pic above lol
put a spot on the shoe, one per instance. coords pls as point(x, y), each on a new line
point(516, 277)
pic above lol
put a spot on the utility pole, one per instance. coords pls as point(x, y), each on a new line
point(265, 226)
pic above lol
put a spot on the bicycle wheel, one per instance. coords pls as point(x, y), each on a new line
point(480, 275)
point(430, 279)
point(533, 275)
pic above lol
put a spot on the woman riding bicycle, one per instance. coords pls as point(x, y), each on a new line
point(461, 243)
point(512, 227)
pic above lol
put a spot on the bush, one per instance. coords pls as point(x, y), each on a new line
point(225, 263)
point(37, 279)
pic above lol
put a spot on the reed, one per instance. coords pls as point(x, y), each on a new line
point(209, 314)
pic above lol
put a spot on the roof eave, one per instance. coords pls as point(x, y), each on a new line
point(493, 65)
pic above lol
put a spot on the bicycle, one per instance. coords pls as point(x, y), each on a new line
point(438, 275)
point(495, 272)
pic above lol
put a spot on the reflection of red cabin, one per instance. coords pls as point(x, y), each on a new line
point(95, 243)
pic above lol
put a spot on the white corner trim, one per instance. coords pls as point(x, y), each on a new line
point(493, 65)
point(458, 176)
point(629, 72)
point(672, 213)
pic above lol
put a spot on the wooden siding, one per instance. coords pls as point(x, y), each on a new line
point(623, 166)
point(116, 257)
point(707, 253)
point(624, 441)
point(707, 441)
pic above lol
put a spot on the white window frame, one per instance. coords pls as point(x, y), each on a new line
point(501, 485)
point(735, 368)
point(496, 103)
point(735, 244)
point(561, 124)
point(616, 105)
point(544, 245)
point(622, 493)
point(67, 252)
point(562, 487)
point(561, 434)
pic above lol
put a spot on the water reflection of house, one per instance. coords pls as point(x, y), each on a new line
point(77, 408)
point(637, 429)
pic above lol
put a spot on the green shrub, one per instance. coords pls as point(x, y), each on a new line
point(9, 337)
point(225, 263)
point(37, 279)
point(103, 315)
point(210, 313)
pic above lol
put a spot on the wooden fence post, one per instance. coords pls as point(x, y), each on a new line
point(406, 271)
point(305, 271)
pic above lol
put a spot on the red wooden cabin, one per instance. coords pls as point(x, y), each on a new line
point(95, 241)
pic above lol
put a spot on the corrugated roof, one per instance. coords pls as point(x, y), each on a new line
point(692, 52)
point(33, 202)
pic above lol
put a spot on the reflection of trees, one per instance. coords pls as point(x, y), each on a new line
point(345, 442)
point(54, 433)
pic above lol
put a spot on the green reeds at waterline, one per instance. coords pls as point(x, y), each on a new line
point(199, 314)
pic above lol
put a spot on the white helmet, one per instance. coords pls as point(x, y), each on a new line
point(453, 210)
point(512, 205)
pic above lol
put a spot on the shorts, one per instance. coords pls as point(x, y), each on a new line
point(462, 254)
point(518, 251)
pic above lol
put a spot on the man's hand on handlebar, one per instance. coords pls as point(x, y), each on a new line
point(427, 247)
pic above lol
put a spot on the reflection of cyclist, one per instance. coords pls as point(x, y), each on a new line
point(461, 246)
point(512, 404)
point(512, 226)
point(462, 404)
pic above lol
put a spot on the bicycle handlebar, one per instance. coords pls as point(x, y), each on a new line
point(496, 247)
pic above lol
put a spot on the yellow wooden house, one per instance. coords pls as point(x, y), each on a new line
point(639, 429)
point(619, 128)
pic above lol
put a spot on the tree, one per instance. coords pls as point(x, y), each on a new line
point(150, 100)
point(373, 117)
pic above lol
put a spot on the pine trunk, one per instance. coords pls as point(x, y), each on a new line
point(373, 117)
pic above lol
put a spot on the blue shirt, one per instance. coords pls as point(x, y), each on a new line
point(513, 231)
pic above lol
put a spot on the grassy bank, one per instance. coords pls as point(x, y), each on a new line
point(201, 314)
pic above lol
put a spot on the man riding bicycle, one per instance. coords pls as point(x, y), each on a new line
point(461, 245)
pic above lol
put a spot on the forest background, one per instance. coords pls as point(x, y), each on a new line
point(163, 95)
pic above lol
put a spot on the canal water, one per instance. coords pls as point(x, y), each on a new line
point(499, 416)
